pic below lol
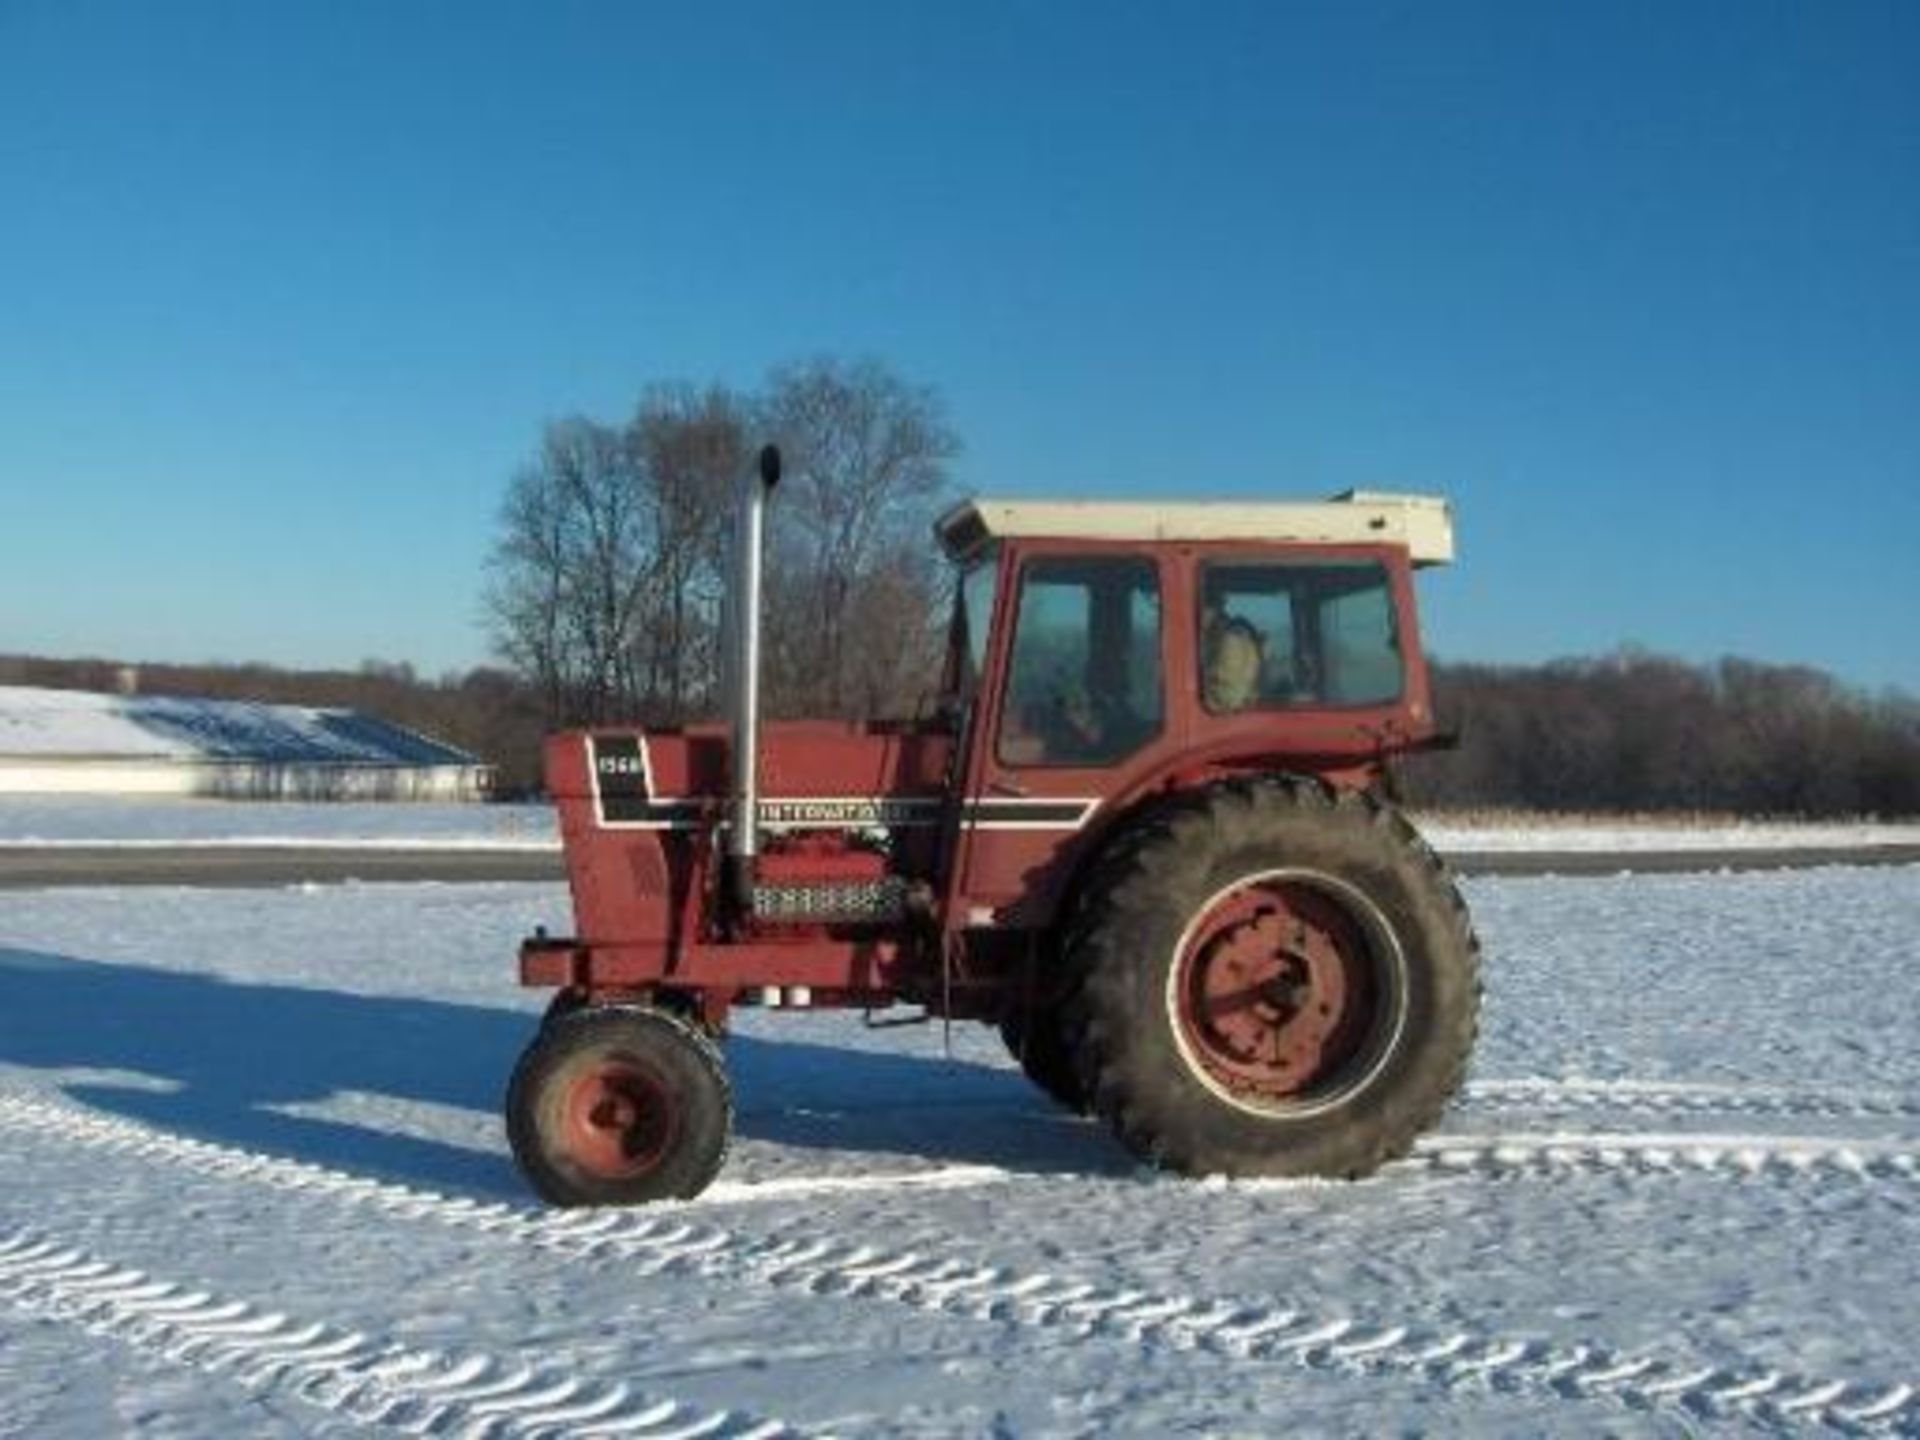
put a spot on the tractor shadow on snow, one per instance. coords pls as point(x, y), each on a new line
point(247, 1065)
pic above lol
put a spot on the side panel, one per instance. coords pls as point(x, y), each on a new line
point(626, 850)
point(639, 812)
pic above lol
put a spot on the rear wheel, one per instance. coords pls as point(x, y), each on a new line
point(1278, 979)
point(563, 1004)
point(1037, 1039)
point(617, 1106)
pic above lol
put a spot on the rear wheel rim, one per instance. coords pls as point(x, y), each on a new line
point(1287, 992)
point(617, 1120)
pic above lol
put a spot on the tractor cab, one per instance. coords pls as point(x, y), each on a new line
point(1103, 653)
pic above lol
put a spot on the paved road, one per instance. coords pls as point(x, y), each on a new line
point(238, 866)
point(23, 867)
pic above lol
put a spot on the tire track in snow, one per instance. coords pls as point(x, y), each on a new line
point(341, 1371)
point(792, 1187)
point(1666, 1098)
point(1573, 1152)
point(1268, 1330)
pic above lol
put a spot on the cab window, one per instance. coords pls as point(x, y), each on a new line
point(1297, 635)
point(976, 611)
point(1084, 682)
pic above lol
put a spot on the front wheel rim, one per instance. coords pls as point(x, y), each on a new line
point(1287, 992)
point(617, 1120)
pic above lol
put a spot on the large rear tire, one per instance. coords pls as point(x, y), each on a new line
point(619, 1106)
point(1037, 1039)
point(1278, 978)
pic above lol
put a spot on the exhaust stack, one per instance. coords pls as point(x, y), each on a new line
point(743, 835)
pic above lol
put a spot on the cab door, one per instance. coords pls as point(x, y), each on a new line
point(1074, 712)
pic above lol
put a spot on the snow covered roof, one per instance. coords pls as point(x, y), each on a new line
point(52, 724)
point(1421, 523)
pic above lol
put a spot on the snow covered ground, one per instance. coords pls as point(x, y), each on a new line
point(54, 821)
point(254, 1183)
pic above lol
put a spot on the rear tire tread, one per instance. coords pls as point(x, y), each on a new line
point(1131, 890)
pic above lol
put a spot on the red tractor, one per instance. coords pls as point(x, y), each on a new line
point(1144, 834)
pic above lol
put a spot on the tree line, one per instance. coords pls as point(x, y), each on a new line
point(1638, 731)
point(1625, 732)
point(604, 593)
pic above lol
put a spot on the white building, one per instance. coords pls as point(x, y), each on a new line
point(79, 742)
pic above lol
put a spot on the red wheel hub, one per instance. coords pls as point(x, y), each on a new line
point(618, 1120)
point(1275, 990)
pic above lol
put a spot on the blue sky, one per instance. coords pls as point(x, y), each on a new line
point(286, 291)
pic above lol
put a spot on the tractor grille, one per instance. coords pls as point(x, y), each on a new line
point(865, 901)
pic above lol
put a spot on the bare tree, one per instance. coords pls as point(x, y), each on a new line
point(866, 455)
point(526, 587)
point(689, 448)
point(569, 570)
point(606, 578)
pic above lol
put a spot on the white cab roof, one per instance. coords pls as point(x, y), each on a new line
point(1422, 524)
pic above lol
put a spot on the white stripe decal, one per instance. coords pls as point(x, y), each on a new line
point(646, 810)
point(1046, 813)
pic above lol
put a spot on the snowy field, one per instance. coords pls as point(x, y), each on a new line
point(56, 821)
point(254, 1183)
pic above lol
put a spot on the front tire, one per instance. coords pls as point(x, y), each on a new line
point(1279, 979)
point(619, 1106)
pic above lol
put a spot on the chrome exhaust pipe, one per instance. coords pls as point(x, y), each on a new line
point(743, 834)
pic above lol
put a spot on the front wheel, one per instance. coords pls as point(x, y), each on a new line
point(1279, 979)
point(619, 1106)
